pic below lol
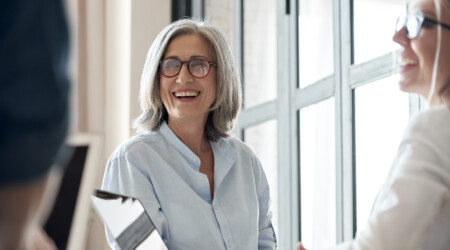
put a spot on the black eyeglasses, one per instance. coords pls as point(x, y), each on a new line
point(197, 67)
point(414, 23)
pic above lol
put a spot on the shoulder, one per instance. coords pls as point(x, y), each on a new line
point(135, 144)
point(430, 124)
point(426, 140)
point(236, 144)
point(244, 155)
point(240, 147)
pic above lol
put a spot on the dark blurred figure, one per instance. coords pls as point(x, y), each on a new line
point(33, 117)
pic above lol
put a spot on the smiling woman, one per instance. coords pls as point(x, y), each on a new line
point(202, 188)
point(188, 98)
point(412, 209)
point(424, 53)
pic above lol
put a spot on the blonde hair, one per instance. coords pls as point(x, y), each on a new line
point(444, 92)
point(224, 110)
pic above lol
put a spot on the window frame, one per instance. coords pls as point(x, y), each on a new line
point(290, 100)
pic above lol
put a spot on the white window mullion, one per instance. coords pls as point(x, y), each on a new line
point(344, 121)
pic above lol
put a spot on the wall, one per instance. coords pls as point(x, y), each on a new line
point(110, 39)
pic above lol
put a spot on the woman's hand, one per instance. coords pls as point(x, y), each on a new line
point(301, 247)
point(41, 241)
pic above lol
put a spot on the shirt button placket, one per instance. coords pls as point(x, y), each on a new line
point(218, 215)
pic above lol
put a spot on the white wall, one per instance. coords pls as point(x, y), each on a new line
point(110, 42)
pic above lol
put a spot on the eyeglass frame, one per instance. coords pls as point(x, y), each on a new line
point(187, 64)
point(421, 20)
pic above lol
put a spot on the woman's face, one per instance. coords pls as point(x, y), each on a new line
point(418, 53)
point(186, 96)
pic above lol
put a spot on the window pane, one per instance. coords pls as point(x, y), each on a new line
point(318, 175)
point(262, 139)
point(374, 26)
point(260, 60)
point(381, 114)
point(315, 40)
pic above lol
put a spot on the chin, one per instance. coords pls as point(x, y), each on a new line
point(410, 85)
point(404, 86)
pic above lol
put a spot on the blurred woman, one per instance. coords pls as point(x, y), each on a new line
point(202, 188)
point(412, 210)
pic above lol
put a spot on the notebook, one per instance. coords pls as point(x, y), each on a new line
point(126, 220)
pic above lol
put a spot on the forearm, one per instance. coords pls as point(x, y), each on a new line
point(23, 207)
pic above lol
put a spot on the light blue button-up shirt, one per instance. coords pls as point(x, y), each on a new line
point(163, 173)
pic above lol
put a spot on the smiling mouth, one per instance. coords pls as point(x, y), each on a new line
point(186, 94)
point(408, 62)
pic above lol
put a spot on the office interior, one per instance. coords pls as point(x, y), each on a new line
point(319, 83)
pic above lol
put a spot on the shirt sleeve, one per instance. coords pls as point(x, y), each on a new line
point(122, 176)
point(266, 237)
point(410, 200)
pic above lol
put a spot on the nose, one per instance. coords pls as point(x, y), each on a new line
point(400, 37)
point(184, 76)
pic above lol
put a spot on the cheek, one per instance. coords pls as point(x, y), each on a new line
point(425, 50)
point(211, 86)
point(163, 90)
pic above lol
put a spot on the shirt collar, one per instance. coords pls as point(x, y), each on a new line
point(223, 149)
point(175, 142)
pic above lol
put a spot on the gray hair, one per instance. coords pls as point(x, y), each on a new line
point(224, 110)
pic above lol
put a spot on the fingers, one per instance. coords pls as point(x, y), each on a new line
point(41, 241)
point(301, 247)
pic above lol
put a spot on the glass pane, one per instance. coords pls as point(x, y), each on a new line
point(315, 40)
point(381, 115)
point(318, 175)
point(374, 26)
point(262, 139)
point(260, 58)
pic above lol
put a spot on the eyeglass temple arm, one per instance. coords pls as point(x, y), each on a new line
point(436, 22)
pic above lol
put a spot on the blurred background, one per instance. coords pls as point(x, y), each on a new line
point(322, 109)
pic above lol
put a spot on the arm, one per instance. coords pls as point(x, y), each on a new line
point(124, 177)
point(266, 238)
point(23, 208)
point(409, 202)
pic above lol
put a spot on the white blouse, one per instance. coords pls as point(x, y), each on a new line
point(412, 210)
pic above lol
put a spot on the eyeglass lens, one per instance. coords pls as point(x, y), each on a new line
point(413, 24)
point(196, 67)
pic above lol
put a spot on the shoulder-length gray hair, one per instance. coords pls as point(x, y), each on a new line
point(223, 111)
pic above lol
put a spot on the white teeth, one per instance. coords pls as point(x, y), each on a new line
point(186, 94)
point(407, 61)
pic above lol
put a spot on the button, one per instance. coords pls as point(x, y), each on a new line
point(215, 207)
point(194, 160)
point(202, 178)
point(229, 243)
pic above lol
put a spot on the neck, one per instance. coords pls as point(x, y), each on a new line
point(191, 132)
point(435, 101)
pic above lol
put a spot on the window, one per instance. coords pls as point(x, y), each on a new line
point(315, 31)
point(381, 114)
point(262, 138)
point(318, 175)
point(335, 85)
point(373, 30)
point(259, 50)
